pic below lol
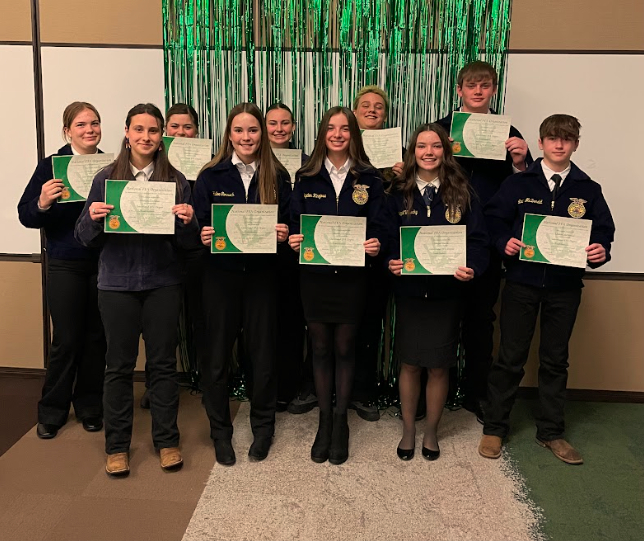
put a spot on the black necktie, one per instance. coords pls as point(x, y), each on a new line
point(557, 180)
point(428, 196)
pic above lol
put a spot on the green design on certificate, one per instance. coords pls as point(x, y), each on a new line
point(333, 240)
point(433, 249)
point(477, 135)
point(188, 155)
point(77, 174)
point(555, 240)
point(140, 207)
point(244, 229)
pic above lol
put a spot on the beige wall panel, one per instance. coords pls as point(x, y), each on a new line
point(607, 345)
point(577, 25)
point(96, 21)
point(20, 315)
point(15, 22)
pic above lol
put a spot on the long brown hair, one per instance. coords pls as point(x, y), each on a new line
point(454, 185)
point(268, 167)
point(163, 169)
point(356, 149)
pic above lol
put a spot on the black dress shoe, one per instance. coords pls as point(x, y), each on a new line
point(405, 454)
point(431, 455)
point(339, 450)
point(320, 449)
point(224, 452)
point(145, 400)
point(93, 424)
point(260, 447)
point(46, 432)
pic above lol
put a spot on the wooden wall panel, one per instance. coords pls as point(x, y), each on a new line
point(577, 25)
point(15, 22)
point(116, 22)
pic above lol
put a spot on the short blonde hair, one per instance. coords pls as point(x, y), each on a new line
point(372, 89)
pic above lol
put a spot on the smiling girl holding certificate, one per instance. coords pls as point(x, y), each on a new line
point(432, 191)
point(139, 286)
point(338, 180)
point(240, 290)
point(77, 356)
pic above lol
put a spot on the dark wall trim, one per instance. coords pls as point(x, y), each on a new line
point(574, 51)
point(25, 258)
point(619, 276)
point(101, 45)
point(9, 42)
point(591, 395)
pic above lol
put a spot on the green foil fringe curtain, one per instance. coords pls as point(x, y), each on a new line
point(315, 54)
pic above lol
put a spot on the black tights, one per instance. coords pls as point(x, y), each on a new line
point(333, 340)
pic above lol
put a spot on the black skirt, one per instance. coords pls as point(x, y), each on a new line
point(333, 298)
point(427, 331)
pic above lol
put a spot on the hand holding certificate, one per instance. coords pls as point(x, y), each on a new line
point(188, 155)
point(140, 207)
point(555, 240)
point(384, 147)
point(477, 135)
point(333, 240)
point(247, 229)
point(438, 249)
point(77, 174)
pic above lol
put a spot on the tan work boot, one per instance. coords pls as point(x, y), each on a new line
point(490, 446)
point(118, 465)
point(170, 458)
point(563, 451)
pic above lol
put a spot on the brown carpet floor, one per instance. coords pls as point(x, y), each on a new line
point(18, 407)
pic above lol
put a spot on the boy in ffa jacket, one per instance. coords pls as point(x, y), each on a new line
point(552, 186)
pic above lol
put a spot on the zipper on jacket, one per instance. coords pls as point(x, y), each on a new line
point(337, 205)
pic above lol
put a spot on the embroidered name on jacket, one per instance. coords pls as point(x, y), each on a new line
point(406, 212)
point(315, 195)
point(223, 194)
point(529, 200)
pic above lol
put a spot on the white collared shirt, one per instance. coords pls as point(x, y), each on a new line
point(338, 175)
point(142, 174)
point(245, 170)
point(549, 172)
point(436, 183)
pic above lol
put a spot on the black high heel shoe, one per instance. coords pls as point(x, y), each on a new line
point(431, 455)
point(405, 454)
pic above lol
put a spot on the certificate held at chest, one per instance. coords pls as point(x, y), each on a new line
point(477, 135)
point(244, 229)
point(433, 249)
point(333, 240)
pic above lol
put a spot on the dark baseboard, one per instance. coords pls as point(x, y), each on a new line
point(11, 372)
point(590, 395)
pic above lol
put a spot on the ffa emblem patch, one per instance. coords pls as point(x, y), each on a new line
point(529, 252)
point(220, 243)
point(308, 254)
point(65, 193)
point(409, 264)
point(360, 195)
point(453, 216)
point(576, 209)
point(456, 147)
point(114, 222)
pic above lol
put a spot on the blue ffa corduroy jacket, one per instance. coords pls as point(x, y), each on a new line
point(478, 254)
point(135, 262)
point(59, 220)
point(486, 176)
point(528, 193)
point(222, 183)
point(316, 195)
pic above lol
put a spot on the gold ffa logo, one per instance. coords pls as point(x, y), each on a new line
point(308, 254)
point(220, 243)
point(453, 216)
point(456, 147)
point(529, 252)
point(576, 209)
point(114, 222)
point(360, 195)
point(65, 193)
point(409, 264)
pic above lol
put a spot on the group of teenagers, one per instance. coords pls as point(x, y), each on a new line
point(106, 291)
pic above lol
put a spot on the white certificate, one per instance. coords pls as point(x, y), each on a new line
point(477, 135)
point(188, 155)
point(433, 249)
point(77, 174)
point(555, 240)
point(291, 159)
point(384, 147)
point(140, 207)
point(333, 240)
point(244, 229)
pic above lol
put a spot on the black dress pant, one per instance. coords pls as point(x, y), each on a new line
point(77, 357)
point(234, 300)
point(478, 329)
point(154, 313)
point(519, 310)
